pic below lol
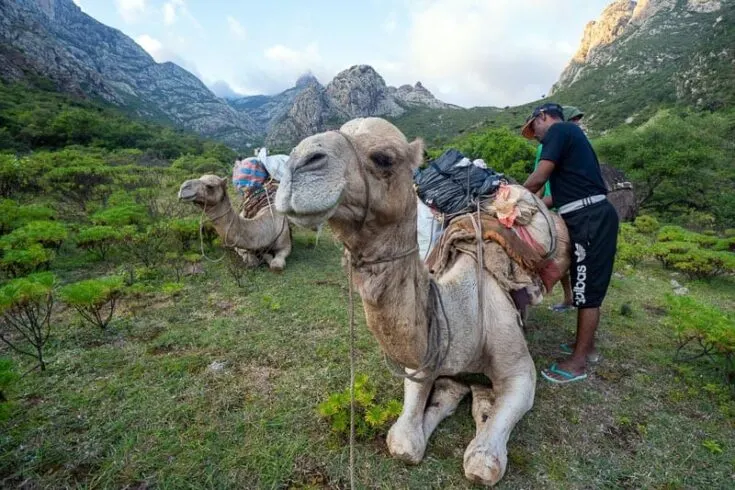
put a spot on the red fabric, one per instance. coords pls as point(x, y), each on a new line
point(549, 273)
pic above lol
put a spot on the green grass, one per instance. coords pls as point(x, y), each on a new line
point(138, 406)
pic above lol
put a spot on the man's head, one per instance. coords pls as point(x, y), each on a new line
point(541, 120)
point(573, 114)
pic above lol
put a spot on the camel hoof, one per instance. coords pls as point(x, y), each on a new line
point(277, 265)
point(405, 448)
point(484, 467)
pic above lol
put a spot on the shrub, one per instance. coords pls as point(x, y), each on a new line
point(13, 215)
point(703, 264)
point(646, 224)
point(18, 262)
point(678, 234)
point(126, 214)
point(694, 322)
point(98, 239)
point(25, 310)
point(94, 299)
point(370, 417)
point(149, 246)
point(50, 234)
point(633, 247)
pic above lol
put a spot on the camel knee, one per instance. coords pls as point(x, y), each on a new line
point(485, 466)
point(406, 441)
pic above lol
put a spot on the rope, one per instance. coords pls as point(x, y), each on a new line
point(201, 235)
point(352, 381)
point(480, 266)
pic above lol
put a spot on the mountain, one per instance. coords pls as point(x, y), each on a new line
point(310, 107)
point(55, 40)
point(641, 55)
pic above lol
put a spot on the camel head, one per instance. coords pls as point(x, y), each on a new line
point(359, 175)
point(206, 191)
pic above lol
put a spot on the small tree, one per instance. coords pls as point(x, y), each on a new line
point(98, 239)
point(20, 261)
point(25, 314)
point(50, 234)
point(94, 299)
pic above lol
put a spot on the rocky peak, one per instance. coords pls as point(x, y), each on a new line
point(360, 91)
point(306, 79)
point(606, 29)
point(704, 6)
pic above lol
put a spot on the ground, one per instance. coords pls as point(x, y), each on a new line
point(143, 405)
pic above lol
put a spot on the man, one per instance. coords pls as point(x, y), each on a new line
point(569, 163)
point(573, 115)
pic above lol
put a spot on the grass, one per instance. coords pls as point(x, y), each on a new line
point(139, 406)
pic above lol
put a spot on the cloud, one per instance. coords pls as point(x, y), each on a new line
point(161, 54)
point(390, 23)
point(220, 88)
point(78, 3)
point(130, 10)
point(236, 29)
point(473, 52)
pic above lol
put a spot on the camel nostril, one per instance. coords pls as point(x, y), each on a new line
point(312, 160)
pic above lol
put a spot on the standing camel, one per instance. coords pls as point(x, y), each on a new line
point(266, 235)
point(359, 179)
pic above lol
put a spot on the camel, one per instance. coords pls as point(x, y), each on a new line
point(359, 180)
point(267, 235)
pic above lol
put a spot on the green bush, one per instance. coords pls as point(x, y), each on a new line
point(370, 417)
point(646, 224)
point(13, 215)
point(122, 215)
point(633, 247)
point(695, 322)
point(672, 233)
point(50, 234)
point(99, 239)
point(94, 299)
point(703, 264)
point(25, 314)
point(19, 262)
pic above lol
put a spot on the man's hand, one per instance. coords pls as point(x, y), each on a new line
point(537, 179)
point(548, 201)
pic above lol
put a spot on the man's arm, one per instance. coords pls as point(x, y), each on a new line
point(539, 177)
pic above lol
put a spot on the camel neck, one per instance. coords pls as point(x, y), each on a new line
point(238, 232)
point(393, 283)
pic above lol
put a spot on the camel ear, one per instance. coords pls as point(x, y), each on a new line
point(416, 152)
point(223, 182)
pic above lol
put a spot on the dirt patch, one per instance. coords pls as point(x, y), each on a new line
point(655, 310)
point(260, 378)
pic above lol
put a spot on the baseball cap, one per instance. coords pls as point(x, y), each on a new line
point(571, 112)
point(549, 108)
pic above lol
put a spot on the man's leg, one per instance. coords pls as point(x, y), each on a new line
point(587, 321)
point(566, 284)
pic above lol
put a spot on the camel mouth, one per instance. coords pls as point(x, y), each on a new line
point(187, 192)
point(310, 220)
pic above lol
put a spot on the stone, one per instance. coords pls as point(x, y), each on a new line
point(216, 366)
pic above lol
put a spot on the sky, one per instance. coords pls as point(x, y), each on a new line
point(466, 52)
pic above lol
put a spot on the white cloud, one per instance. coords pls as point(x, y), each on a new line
point(169, 12)
point(153, 46)
point(236, 29)
point(130, 10)
point(480, 52)
point(78, 3)
point(390, 23)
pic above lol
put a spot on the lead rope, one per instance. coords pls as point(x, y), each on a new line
point(201, 237)
point(352, 377)
point(480, 265)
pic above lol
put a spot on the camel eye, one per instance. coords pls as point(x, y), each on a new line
point(382, 160)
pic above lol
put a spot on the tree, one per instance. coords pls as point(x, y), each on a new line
point(25, 309)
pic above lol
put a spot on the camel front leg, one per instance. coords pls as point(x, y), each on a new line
point(444, 400)
point(406, 439)
point(496, 411)
point(283, 248)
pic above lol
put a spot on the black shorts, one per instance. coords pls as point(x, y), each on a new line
point(593, 235)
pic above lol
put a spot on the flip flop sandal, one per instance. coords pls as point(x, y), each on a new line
point(592, 358)
point(566, 376)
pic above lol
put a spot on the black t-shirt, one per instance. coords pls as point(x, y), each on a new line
point(576, 172)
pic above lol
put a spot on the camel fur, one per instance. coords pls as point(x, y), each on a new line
point(359, 179)
point(266, 236)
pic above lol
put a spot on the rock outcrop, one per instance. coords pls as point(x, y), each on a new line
point(54, 39)
point(639, 55)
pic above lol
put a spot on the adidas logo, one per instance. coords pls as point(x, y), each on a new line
point(580, 252)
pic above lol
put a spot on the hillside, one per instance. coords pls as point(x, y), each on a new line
point(640, 56)
point(55, 40)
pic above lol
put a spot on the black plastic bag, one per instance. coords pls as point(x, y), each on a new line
point(450, 189)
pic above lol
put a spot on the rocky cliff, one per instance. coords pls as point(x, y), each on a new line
point(639, 55)
point(310, 107)
point(55, 40)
